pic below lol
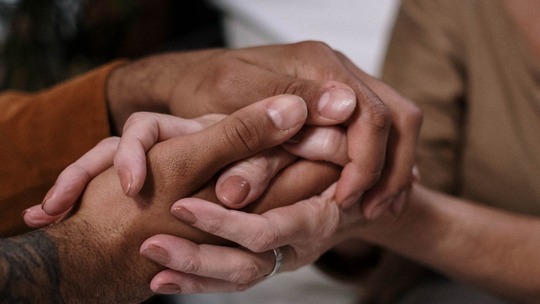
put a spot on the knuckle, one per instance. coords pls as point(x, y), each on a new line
point(250, 272)
point(314, 47)
point(327, 213)
point(380, 116)
point(75, 172)
point(317, 51)
point(245, 133)
point(136, 117)
point(262, 241)
point(258, 166)
point(294, 86)
point(190, 265)
point(213, 227)
point(227, 75)
point(413, 116)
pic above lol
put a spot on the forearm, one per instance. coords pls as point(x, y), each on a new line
point(29, 269)
point(489, 248)
point(71, 262)
point(109, 227)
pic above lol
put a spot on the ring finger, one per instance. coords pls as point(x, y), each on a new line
point(229, 264)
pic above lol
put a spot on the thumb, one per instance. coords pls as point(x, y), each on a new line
point(257, 127)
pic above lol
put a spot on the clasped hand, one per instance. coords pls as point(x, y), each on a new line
point(307, 228)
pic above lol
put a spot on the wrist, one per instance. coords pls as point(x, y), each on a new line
point(130, 88)
point(99, 265)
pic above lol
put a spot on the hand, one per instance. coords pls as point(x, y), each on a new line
point(303, 231)
point(142, 131)
point(215, 88)
point(108, 226)
point(381, 136)
point(307, 229)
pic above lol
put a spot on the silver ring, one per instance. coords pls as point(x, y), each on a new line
point(277, 265)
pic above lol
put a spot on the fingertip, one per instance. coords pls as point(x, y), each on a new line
point(287, 111)
point(233, 191)
point(161, 283)
point(337, 103)
point(35, 217)
point(126, 179)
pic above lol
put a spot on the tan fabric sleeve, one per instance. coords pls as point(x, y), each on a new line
point(421, 65)
point(43, 133)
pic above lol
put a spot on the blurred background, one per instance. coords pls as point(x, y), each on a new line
point(43, 42)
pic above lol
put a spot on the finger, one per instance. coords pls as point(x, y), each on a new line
point(72, 181)
point(244, 133)
point(141, 131)
point(321, 143)
point(35, 217)
point(173, 282)
point(406, 123)
point(329, 102)
point(229, 264)
point(272, 229)
point(243, 182)
point(367, 136)
point(369, 126)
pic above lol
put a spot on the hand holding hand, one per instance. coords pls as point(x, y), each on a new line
point(382, 127)
point(104, 234)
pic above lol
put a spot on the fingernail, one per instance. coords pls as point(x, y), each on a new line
point(184, 215)
point(24, 212)
point(156, 254)
point(287, 111)
point(126, 179)
point(337, 104)
point(169, 288)
point(47, 197)
point(235, 189)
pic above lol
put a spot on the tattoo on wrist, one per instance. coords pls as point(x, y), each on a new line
point(30, 269)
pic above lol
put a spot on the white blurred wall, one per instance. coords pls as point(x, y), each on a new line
point(358, 28)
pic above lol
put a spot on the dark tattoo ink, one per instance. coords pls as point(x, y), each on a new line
point(29, 269)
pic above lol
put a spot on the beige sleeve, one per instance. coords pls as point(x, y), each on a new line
point(423, 64)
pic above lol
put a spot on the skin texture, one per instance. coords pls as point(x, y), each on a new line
point(104, 234)
point(461, 236)
point(378, 154)
point(464, 243)
point(381, 126)
point(18, 258)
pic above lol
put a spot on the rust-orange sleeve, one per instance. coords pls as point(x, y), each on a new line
point(42, 133)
